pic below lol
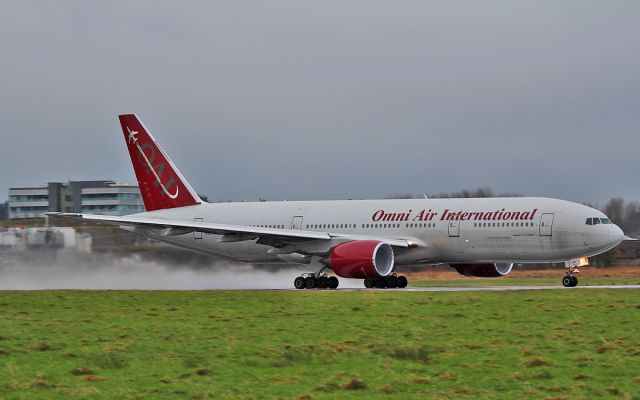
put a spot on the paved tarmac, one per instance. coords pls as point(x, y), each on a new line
point(488, 288)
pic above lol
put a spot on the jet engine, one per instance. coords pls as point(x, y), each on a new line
point(361, 259)
point(483, 270)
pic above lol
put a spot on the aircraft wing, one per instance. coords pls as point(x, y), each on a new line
point(169, 227)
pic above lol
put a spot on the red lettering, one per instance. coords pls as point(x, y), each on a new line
point(377, 215)
point(444, 215)
point(390, 217)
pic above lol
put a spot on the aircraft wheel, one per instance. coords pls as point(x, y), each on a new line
point(310, 282)
point(299, 283)
point(402, 282)
point(392, 281)
point(333, 282)
point(567, 281)
point(574, 281)
point(369, 283)
point(323, 282)
point(380, 283)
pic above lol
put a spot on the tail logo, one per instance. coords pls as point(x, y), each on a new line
point(132, 136)
point(147, 162)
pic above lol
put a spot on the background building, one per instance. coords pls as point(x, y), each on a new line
point(96, 197)
point(4, 210)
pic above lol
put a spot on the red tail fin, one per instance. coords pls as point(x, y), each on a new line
point(161, 184)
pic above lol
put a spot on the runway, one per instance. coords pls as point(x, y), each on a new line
point(482, 288)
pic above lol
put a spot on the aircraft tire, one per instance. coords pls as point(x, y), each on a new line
point(310, 282)
point(402, 282)
point(392, 282)
point(369, 283)
point(333, 282)
point(299, 283)
point(574, 281)
point(323, 282)
point(380, 283)
point(567, 281)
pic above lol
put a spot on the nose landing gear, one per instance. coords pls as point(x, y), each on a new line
point(569, 280)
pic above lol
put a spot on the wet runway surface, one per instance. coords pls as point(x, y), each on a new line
point(486, 288)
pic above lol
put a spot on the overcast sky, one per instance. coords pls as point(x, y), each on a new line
point(328, 99)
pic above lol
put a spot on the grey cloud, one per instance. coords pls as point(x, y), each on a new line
point(304, 100)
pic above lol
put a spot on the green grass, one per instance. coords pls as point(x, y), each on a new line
point(520, 281)
point(319, 344)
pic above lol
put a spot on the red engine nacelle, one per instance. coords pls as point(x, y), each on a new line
point(483, 270)
point(361, 259)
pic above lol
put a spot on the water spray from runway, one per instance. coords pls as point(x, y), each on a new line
point(133, 272)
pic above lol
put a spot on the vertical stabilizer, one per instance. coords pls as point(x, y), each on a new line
point(161, 184)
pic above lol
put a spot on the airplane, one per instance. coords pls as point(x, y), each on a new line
point(359, 239)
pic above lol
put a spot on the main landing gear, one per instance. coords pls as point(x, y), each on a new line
point(391, 281)
point(315, 281)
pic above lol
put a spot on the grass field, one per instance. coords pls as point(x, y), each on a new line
point(320, 344)
point(522, 281)
point(518, 277)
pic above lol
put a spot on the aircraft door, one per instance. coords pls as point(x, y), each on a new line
point(546, 224)
point(454, 228)
point(196, 234)
point(296, 223)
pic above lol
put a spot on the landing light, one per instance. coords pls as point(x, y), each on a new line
point(578, 262)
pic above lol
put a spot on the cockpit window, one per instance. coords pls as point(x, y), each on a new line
point(596, 221)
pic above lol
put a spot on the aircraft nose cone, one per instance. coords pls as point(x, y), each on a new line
point(616, 234)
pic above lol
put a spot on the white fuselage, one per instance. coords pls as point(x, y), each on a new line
point(524, 229)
